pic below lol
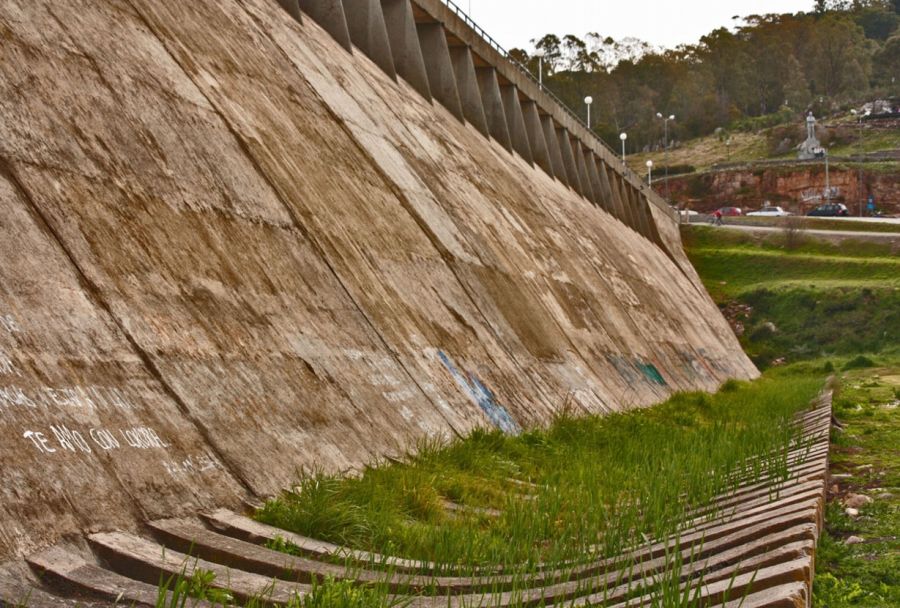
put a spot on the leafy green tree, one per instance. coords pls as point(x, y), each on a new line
point(842, 58)
point(878, 23)
point(887, 63)
point(796, 87)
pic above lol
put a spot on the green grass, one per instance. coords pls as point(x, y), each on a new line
point(593, 485)
point(867, 452)
point(191, 586)
point(747, 147)
point(812, 300)
point(873, 140)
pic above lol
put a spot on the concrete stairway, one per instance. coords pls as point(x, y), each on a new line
point(754, 547)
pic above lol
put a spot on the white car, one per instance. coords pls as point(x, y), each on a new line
point(769, 212)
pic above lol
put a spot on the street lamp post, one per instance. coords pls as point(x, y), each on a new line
point(588, 101)
point(666, 120)
point(827, 180)
point(650, 173)
point(623, 137)
point(540, 55)
point(860, 186)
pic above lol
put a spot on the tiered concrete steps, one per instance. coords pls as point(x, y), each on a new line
point(754, 547)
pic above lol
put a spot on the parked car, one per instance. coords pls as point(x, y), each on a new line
point(769, 212)
point(730, 211)
point(830, 210)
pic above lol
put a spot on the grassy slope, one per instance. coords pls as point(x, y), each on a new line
point(583, 479)
point(867, 452)
point(705, 152)
point(561, 490)
point(826, 299)
point(818, 299)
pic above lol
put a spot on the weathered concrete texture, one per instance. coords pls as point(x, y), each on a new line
point(233, 250)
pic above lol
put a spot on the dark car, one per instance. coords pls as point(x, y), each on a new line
point(830, 210)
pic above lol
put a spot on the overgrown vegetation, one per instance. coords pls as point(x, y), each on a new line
point(194, 586)
point(582, 486)
point(813, 300)
point(858, 560)
point(842, 300)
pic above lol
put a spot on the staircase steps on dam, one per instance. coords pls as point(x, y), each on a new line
point(751, 547)
point(65, 571)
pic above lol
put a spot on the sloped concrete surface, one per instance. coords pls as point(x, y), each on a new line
point(232, 250)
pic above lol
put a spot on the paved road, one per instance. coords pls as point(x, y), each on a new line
point(839, 234)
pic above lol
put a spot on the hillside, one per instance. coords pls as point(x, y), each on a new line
point(812, 300)
point(845, 136)
point(745, 169)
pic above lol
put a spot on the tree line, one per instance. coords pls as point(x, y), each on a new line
point(763, 72)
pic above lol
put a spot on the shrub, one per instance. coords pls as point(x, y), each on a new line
point(859, 362)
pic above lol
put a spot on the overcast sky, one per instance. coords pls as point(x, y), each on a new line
point(668, 23)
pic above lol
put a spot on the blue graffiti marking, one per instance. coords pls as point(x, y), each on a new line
point(652, 373)
point(483, 396)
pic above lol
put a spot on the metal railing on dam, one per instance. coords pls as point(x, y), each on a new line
point(528, 73)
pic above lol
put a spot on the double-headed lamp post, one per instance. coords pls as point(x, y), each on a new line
point(540, 55)
point(623, 137)
point(666, 120)
point(588, 101)
point(650, 173)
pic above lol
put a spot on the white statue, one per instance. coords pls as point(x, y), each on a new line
point(811, 148)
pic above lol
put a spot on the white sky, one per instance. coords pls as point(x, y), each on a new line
point(513, 23)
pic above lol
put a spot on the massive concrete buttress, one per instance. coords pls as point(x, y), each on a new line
point(492, 102)
point(536, 140)
point(330, 15)
point(583, 177)
point(568, 157)
point(404, 40)
point(292, 7)
point(515, 120)
point(368, 31)
point(439, 67)
point(467, 84)
point(233, 251)
point(556, 157)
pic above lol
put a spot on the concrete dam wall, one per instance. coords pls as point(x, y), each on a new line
point(232, 250)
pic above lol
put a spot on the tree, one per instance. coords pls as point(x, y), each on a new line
point(550, 44)
point(887, 62)
point(878, 23)
point(842, 57)
point(796, 87)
